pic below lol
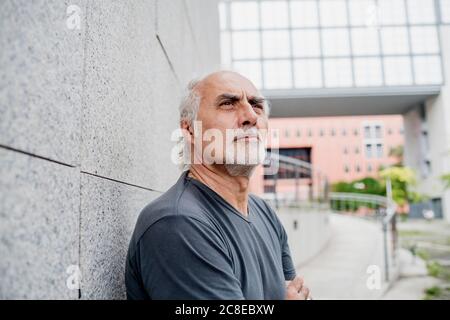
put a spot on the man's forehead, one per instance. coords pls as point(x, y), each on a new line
point(228, 82)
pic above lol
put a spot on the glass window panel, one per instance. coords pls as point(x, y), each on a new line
point(368, 150)
point(223, 15)
point(379, 150)
point(338, 72)
point(225, 48)
point(306, 43)
point(274, 14)
point(424, 40)
point(397, 70)
point(251, 70)
point(277, 74)
point(378, 132)
point(244, 15)
point(304, 13)
point(445, 11)
point(335, 42)
point(276, 44)
point(363, 12)
point(367, 132)
point(333, 13)
point(367, 72)
point(395, 40)
point(365, 41)
point(391, 12)
point(246, 45)
point(427, 70)
point(308, 73)
point(421, 11)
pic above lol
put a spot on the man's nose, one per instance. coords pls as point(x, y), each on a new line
point(248, 116)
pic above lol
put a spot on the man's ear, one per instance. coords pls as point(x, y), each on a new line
point(187, 129)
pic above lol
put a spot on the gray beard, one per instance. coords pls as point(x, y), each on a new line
point(240, 170)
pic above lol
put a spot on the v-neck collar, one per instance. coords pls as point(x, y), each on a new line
point(221, 199)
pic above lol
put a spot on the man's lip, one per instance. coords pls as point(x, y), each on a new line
point(244, 137)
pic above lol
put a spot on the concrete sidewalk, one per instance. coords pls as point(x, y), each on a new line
point(340, 270)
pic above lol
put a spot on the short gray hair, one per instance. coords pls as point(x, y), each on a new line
point(189, 105)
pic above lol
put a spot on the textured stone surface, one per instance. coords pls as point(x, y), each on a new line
point(131, 97)
point(204, 20)
point(103, 100)
point(41, 63)
point(39, 220)
point(181, 47)
point(109, 212)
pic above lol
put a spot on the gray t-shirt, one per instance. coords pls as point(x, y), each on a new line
point(190, 243)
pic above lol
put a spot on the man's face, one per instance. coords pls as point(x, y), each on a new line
point(232, 109)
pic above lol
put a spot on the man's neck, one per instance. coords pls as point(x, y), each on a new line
point(234, 189)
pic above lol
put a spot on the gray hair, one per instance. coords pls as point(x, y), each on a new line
point(189, 106)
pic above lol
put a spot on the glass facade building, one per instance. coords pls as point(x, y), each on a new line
point(302, 44)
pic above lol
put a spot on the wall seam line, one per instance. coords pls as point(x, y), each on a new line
point(119, 181)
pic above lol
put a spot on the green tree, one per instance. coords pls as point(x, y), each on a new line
point(446, 180)
point(402, 179)
point(397, 153)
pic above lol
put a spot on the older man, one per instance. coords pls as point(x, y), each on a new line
point(207, 237)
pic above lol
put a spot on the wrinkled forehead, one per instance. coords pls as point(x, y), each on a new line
point(233, 83)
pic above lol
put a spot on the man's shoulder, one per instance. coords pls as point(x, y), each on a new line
point(266, 211)
point(176, 203)
point(262, 204)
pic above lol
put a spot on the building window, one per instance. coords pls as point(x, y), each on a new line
point(369, 168)
point(321, 132)
point(333, 132)
point(309, 133)
point(378, 134)
point(379, 150)
point(346, 169)
point(298, 133)
point(345, 150)
point(355, 132)
point(358, 168)
point(344, 132)
point(389, 131)
point(367, 132)
point(373, 139)
point(286, 133)
point(303, 154)
point(356, 150)
point(368, 150)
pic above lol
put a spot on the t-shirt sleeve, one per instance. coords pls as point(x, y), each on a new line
point(184, 258)
point(286, 259)
point(288, 265)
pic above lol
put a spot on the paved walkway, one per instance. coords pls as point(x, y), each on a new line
point(340, 270)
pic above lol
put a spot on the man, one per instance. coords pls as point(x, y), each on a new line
point(207, 237)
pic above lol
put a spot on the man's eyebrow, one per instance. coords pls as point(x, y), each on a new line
point(256, 100)
point(227, 96)
point(234, 98)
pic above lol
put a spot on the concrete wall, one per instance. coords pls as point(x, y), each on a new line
point(308, 232)
point(437, 124)
point(86, 119)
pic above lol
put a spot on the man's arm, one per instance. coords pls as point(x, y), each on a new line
point(183, 258)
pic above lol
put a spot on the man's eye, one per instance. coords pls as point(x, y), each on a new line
point(227, 104)
point(259, 106)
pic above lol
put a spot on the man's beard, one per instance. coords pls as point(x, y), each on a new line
point(241, 170)
point(253, 155)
